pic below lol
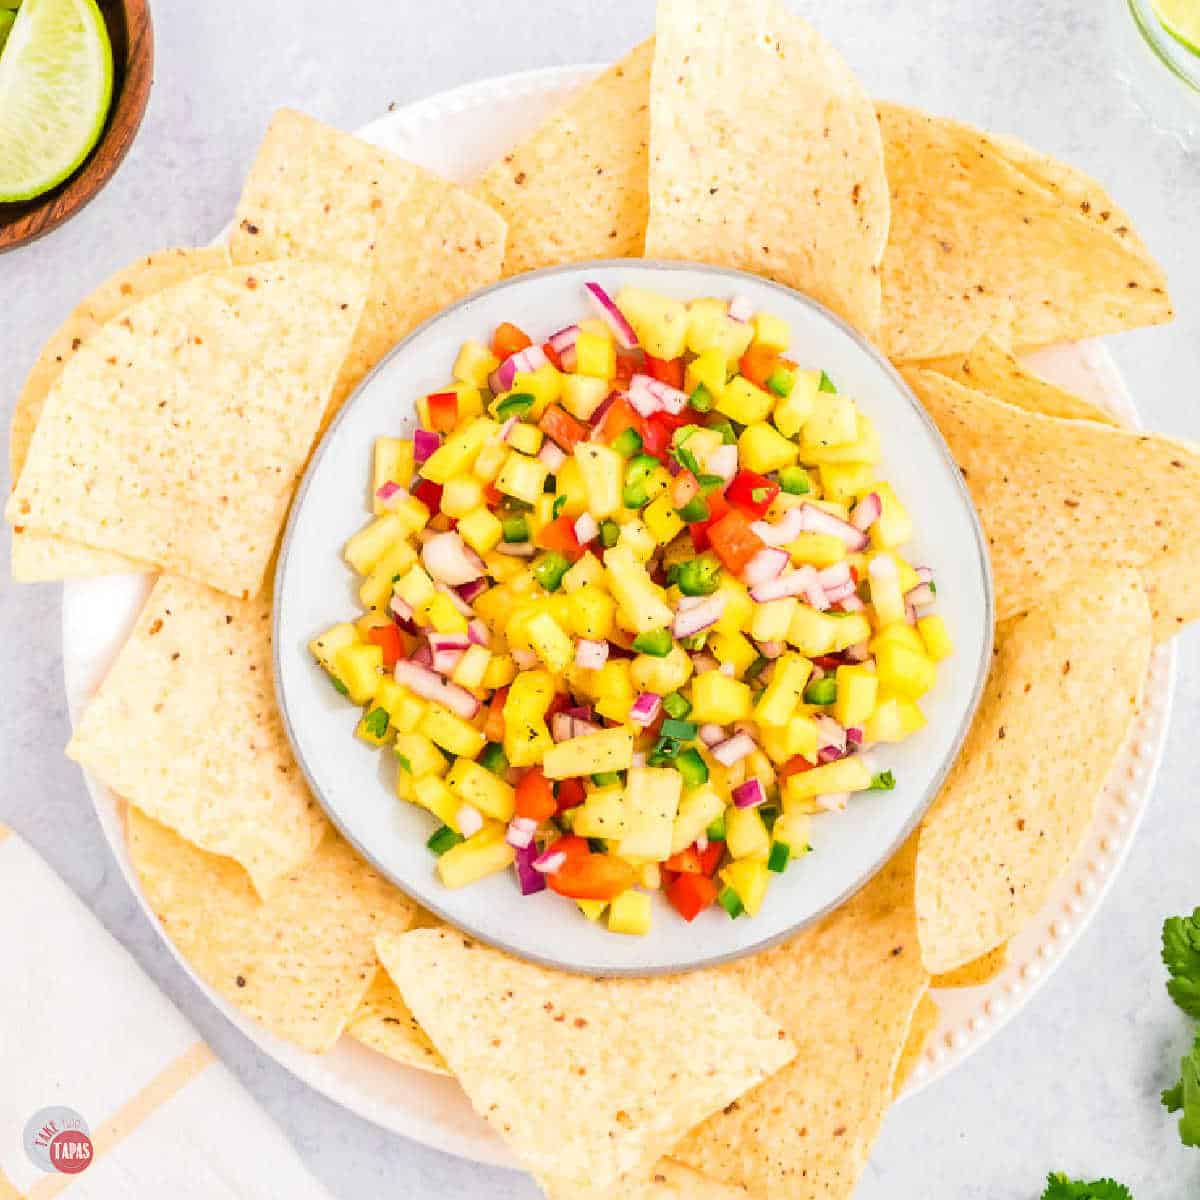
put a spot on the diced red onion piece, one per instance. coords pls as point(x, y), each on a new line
point(507, 428)
point(691, 621)
point(787, 529)
point(711, 734)
point(425, 442)
point(564, 337)
point(450, 560)
point(765, 565)
point(799, 582)
point(842, 592)
point(723, 462)
point(589, 654)
point(564, 727)
point(925, 574)
point(645, 709)
point(581, 712)
point(829, 733)
point(702, 843)
point(703, 662)
point(470, 820)
point(386, 491)
point(520, 832)
point(749, 794)
point(858, 653)
point(727, 668)
point(469, 591)
point(549, 863)
point(833, 802)
point(854, 736)
point(551, 455)
point(921, 596)
point(644, 401)
point(501, 378)
point(866, 512)
point(741, 308)
point(515, 549)
point(770, 649)
point(605, 405)
point(587, 528)
point(835, 575)
point(612, 316)
point(423, 682)
point(451, 594)
point(851, 603)
point(526, 660)
point(401, 608)
point(828, 754)
point(818, 672)
point(529, 878)
point(478, 633)
point(733, 749)
point(569, 358)
point(445, 662)
point(910, 614)
point(448, 641)
point(817, 520)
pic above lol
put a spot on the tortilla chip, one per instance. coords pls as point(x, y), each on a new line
point(529, 1045)
point(989, 367)
point(845, 990)
point(576, 188)
point(37, 557)
point(977, 243)
point(975, 972)
point(1059, 498)
point(317, 193)
point(765, 153)
point(668, 1181)
point(176, 433)
point(186, 727)
point(1064, 686)
point(386, 1024)
point(925, 1021)
point(300, 962)
point(1171, 589)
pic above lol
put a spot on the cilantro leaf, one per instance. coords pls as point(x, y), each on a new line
point(1059, 1187)
point(686, 459)
point(1184, 1097)
point(882, 782)
point(376, 722)
point(1181, 956)
point(405, 764)
point(559, 504)
point(339, 685)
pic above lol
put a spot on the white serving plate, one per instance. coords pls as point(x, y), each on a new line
point(314, 589)
point(458, 133)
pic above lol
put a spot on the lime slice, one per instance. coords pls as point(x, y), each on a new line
point(1181, 19)
point(55, 89)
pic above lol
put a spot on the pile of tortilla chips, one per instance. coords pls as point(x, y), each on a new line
point(163, 429)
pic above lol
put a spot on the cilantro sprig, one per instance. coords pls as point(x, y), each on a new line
point(1181, 957)
point(1184, 1097)
point(1059, 1187)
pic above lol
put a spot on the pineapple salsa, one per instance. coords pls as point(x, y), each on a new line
point(636, 604)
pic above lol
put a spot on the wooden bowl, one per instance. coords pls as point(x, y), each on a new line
point(132, 37)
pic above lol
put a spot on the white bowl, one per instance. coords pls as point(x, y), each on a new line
point(314, 589)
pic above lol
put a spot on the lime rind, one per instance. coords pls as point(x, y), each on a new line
point(56, 76)
point(1181, 19)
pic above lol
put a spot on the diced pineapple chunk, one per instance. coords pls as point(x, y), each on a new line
point(501, 671)
point(661, 519)
point(708, 369)
point(376, 589)
point(475, 362)
point(857, 688)
point(590, 754)
point(641, 600)
point(588, 570)
point(935, 635)
point(459, 451)
point(592, 909)
point(792, 830)
point(326, 646)
point(733, 648)
point(638, 538)
point(720, 700)
point(651, 804)
point(483, 854)
point(771, 332)
point(602, 469)
point(481, 789)
point(451, 732)
point(738, 605)
point(894, 718)
point(371, 542)
point(843, 482)
point(440, 613)
point(431, 792)
point(661, 323)
point(698, 809)
point(744, 402)
point(629, 913)
point(460, 495)
point(886, 598)
point(817, 549)
point(762, 448)
point(393, 464)
point(602, 814)
point(583, 394)
point(421, 755)
point(613, 688)
point(525, 438)
point(832, 422)
point(867, 448)
point(894, 526)
point(490, 460)
point(359, 668)
point(745, 834)
point(481, 530)
point(471, 668)
point(792, 410)
point(905, 672)
point(661, 675)
point(843, 775)
point(710, 327)
point(771, 620)
point(749, 879)
point(522, 477)
point(595, 355)
point(785, 693)
point(590, 612)
point(553, 646)
point(403, 708)
point(526, 737)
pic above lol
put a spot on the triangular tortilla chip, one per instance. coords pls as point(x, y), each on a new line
point(1060, 498)
point(634, 1063)
point(979, 246)
point(988, 367)
point(576, 188)
point(301, 962)
point(1064, 686)
point(38, 557)
point(845, 990)
point(186, 727)
point(668, 1181)
point(317, 193)
point(925, 1021)
point(177, 431)
point(385, 1023)
point(765, 153)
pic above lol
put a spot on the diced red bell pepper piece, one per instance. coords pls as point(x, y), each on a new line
point(508, 339)
point(718, 506)
point(535, 796)
point(570, 794)
point(745, 487)
point(553, 355)
point(493, 727)
point(589, 876)
point(621, 415)
point(666, 370)
point(690, 895)
point(559, 426)
point(626, 368)
point(795, 765)
point(656, 438)
point(559, 535)
point(757, 364)
point(734, 542)
point(683, 488)
point(443, 411)
point(429, 494)
point(492, 495)
point(686, 862)
point(710, 857)
point(390, 640)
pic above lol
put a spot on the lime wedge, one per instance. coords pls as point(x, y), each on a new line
point(7, 17)
point(55, 89)
point(1181, 19)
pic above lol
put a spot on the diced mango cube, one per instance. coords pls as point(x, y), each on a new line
point(832, 422)
point(762, 448)
point(595, 355)
point(904, 672)
point(660, 322)
point(613, 688)
point(483, 854)
point(771, 332)
point(744, 402)
point(583, 394)
point(522, 477)
point(359, 668)
point(718, 699)
point(475, 362)
point(792, 410)
point(710, 327)
point(935, 635)
point(629, 913)
point(749, 878)
point(661, 519)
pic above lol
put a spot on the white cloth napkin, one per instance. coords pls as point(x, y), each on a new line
point(82, 1026)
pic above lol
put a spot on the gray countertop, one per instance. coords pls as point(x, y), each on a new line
point(1073, 1082)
